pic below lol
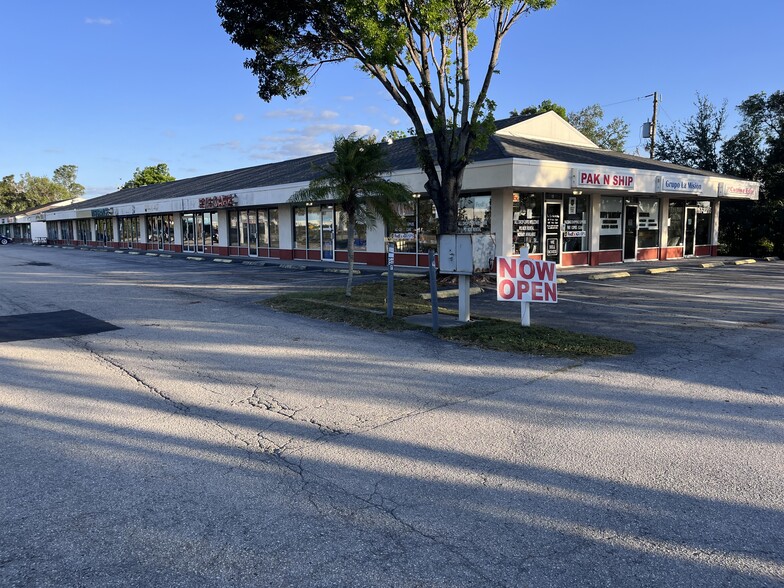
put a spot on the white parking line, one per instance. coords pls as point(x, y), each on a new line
point(638, 309)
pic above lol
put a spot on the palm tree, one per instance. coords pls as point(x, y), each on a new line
point(353, 181)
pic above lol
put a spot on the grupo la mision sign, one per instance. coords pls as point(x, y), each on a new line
point(525, 280)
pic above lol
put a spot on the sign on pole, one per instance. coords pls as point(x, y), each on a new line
point(522, 279)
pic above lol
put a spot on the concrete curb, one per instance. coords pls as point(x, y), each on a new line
point(258, 263)
point(450, 293)
point(743, 261)
point(118, 251)
point(772, 259)
point(151, 254)
point(293, 266)
point(134, 253)
point(222, 260)
point(167, 255)
point(561, 281)
point(195, 258)
point(404, 275)
point(710, 264)
point(661, 270)
point(341, 271)
point(609, 276)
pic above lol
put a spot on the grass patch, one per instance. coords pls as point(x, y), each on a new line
point(367, 309)
point(537, 340)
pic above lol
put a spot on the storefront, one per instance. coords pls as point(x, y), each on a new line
point(540, 185)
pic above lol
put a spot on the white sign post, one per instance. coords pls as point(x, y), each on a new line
point(525, 280)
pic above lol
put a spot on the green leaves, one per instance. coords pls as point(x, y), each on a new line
point(152, 174)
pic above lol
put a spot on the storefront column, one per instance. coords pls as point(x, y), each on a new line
point(115, 229)
point(715, 232)
point(177, 220)
point(596, 226)
point(664, 226)
point(143, 230)
point(286, 227)
point(223, 228)
point(501, 220)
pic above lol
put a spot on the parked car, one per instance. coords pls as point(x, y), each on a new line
point(6, 240)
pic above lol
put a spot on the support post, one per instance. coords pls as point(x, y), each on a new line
point(390, 279)
point(525, 314)
point(464, 300)
point(433, 288)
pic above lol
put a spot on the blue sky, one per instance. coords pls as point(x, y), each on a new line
point(111, 86)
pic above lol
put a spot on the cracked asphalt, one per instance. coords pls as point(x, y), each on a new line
point(214, 442)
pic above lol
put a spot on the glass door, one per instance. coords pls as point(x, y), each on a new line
point(198, 226)
point(253, 234)
point(630, 234)
point(552, 232)
point(327, 233)
point(691, 224)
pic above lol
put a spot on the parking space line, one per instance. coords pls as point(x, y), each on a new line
point(638, 309)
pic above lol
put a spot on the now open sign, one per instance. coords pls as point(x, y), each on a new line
point(522, 279)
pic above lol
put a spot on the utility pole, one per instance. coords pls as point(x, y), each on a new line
point(653, 121)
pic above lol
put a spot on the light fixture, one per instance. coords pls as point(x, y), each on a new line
point(577, 192)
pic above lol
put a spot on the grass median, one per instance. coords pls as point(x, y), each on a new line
point(367, 309)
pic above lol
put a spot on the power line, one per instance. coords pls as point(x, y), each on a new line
point(628, 100)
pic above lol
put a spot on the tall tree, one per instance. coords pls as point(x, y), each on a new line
point(40, 190)
point(756, 152)
point(152, 174)
point(354, 181)
point(544, 106)
point(589, 121)
point(419, 51)
point(697, 141)
point(65, 175)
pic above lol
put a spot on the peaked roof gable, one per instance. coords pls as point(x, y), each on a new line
point(547, 126)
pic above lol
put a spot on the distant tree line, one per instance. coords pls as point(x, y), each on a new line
point(31, 191)
point(755, 152)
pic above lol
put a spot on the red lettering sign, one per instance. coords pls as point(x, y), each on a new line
point(522, 279)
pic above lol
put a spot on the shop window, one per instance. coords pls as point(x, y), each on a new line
point(234, 228)
point(66, 232)
point(314, 227)
point(702, 235)
point(611, 229)
point(418, 229)
point(527, 222)
point(129, 230)
point(575, 236)
point(274, 229)
point(103, 230)
point(473, 215)
point(341, 233)
point(648, 223)
point(83, 230)
point(300, 228)
point(675, 223)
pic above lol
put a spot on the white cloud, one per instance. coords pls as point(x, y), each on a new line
point(99, 21)
point(302, 114)
point(225, 146)
point(312, 139)
point(239, 117)
point(346, 98)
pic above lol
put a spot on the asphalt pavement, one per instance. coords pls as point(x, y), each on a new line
point(210, 441)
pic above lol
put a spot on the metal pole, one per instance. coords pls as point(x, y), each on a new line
point(390, 279)
point(525, 314)
point(653, 121)
point(433, 289)
point(464, 300)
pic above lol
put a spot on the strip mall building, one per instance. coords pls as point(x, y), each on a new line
point(539, 183)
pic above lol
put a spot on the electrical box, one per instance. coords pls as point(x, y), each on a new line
point(465, 254)
point(646, 130)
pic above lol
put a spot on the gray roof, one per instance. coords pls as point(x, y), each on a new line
point(400, 155)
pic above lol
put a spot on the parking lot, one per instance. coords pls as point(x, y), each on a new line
point(207, 440)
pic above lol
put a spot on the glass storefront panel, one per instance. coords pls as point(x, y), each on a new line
point(129, 230)
point(300, 228)
point(675, 220)
point(263, 225)
point(474, 214)
point(648, 223)
point(341, 233)
point(234, 230)
point(66, 232)
point(704, 224)
point(52, 231)
point(188, 233)
point(527, 222)
point(274, 229)
point(611, 230)
point(314, 227)
point(575, 220)
point(103, 230)
point(404, 233)
point(84, 231)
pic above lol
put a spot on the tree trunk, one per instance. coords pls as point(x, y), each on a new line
point(352, 221)
point(446, 194)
